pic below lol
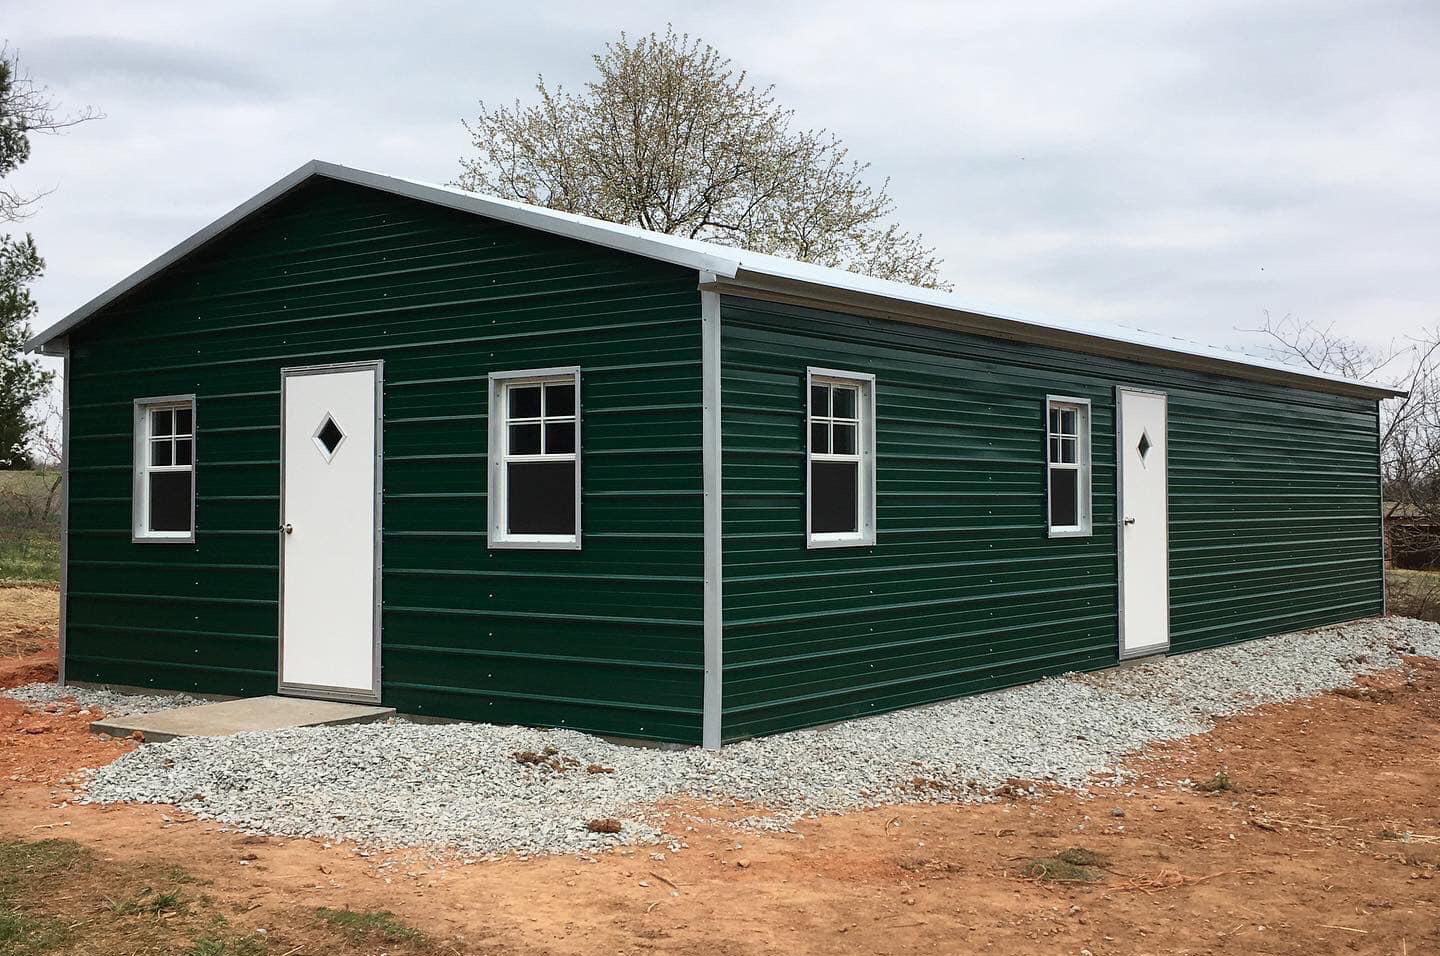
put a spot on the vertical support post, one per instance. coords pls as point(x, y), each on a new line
point(713, 560)
point(1380, 494)
point(64, 505)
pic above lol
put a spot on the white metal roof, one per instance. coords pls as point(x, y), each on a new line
point(739, 266)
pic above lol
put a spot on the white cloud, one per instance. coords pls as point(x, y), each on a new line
point(1178, 166)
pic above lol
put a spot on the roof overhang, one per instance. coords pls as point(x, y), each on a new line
point(622, 238)
point(731, 270)
point(1198, 359)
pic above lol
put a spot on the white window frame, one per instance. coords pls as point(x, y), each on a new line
point(1082, 466)
point(499, 455)
point(865, 455)
point(140, 532)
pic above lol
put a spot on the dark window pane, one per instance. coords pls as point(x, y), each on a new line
point(1067, 421)
point(162, 422)
point(820, 400)
point(160, 452)
point(524, 439)
point(1054, 420)
point(1054, 449)
point(183, 454)
point(844, 439)
point(330, 435)
point(559, 438)
point(819, 438)
point(559, 400)
point(541, 497)
point(1067, 450)
point(845, 402)
point(524, 401)
point(1064, 497)
point(183, 422)
point(834, 487)
point(170, 501)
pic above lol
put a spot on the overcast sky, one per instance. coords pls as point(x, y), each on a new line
point(1180, 167)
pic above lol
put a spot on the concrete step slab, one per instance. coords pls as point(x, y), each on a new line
point(239, 715)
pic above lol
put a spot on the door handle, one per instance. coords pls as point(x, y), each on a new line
point(1127, 521)
point(287, 527)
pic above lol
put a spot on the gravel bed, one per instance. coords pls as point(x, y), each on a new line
point(111, 703)
point(461, 786)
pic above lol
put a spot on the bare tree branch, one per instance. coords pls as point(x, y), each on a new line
point(25, 109)
point(670, 137)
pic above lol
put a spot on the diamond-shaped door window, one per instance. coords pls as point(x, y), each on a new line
point(328, 437)
point(1144, 446)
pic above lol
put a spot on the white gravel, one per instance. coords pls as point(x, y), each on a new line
point(111, 703)
point(461, 786)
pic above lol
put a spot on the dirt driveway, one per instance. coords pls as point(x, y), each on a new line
point(1321, 834)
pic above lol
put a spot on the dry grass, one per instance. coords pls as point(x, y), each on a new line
point(1413, 593)
point(57, 896)
point(27, 620)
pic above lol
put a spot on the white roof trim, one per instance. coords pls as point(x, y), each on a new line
point(724, 262)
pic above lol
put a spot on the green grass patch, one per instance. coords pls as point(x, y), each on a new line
point(150, 903)
point(25, 935)
point(30, 515)
point(1075, 865)
point(362, 925)
point(30, 555)
point(25, 864)
point(57, 897)
point(226, 946)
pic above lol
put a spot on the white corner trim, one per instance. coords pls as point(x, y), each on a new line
point(710, 456)
point(64, 509)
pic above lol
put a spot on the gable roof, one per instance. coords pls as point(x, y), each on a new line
point(729, 269)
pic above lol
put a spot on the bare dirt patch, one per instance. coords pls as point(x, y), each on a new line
point(28, 618)
point(44, 748)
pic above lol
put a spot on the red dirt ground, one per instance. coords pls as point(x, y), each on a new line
point(27, 635)
point(1330, 843)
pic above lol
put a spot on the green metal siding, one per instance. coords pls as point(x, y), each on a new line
point(1274, 518)
point(606, 639)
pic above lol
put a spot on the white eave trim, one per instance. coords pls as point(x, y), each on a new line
point(891, 300)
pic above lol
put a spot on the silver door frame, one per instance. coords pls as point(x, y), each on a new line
point(1157, 649)
point(320, 690)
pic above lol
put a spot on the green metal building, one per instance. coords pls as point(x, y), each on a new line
point(369, 439)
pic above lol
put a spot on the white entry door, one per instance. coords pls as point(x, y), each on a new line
point(329, 517)
point(1144, 523)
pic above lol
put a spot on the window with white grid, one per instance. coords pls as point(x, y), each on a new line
point(840, 466)
point(1067, 489)
point(535, 459)
point(164, 493)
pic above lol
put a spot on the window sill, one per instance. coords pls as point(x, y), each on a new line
point(1072, 532)
point(537, 542)
point(154, 538)
point(839, 541)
